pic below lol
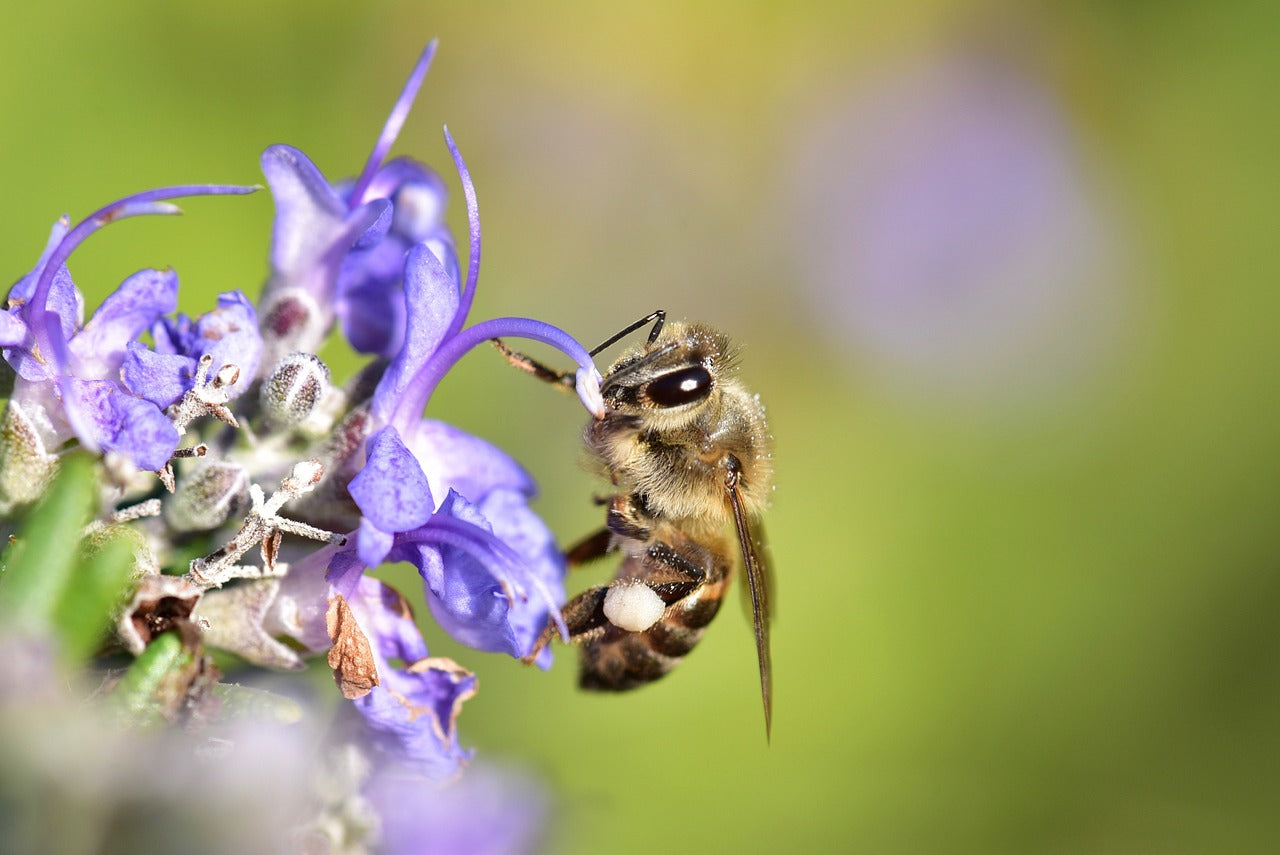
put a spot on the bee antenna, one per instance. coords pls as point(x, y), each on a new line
point(658, 317)
point(614, 378)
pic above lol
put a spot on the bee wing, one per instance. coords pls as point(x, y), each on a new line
point(765, 560)
point(758, 575)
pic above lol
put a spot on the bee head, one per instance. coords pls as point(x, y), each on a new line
point(675, 374)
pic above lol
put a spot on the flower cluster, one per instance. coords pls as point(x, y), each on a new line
point(257, 452)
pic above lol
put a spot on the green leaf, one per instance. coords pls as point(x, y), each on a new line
point(242, 701)
point(40, 566)
point(97, 590)
point(157, 680)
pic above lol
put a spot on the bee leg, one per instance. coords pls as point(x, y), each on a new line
point(670, 576)
point(583, 615)
point(589, 548)
point(674, 577)
point(548, 633)
point(626, 518)
point(561, 379)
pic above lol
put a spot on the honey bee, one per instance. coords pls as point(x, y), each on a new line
point(686, 450)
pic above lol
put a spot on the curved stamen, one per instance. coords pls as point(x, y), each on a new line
point(424, 381)
point(482, 543)
point(394, 123)
point(473, 222)
point(146, 202)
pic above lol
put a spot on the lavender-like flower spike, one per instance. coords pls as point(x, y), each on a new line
point(361, 470)
point(491, 570)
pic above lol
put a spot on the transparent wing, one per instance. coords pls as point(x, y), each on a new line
point(765, 561)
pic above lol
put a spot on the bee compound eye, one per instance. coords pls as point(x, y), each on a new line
point(679, 387)
point(633, 606)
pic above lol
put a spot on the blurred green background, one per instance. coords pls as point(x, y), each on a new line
point(1005, 276)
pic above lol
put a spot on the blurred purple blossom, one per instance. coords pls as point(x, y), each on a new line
point(948, 227)
point(487, 812)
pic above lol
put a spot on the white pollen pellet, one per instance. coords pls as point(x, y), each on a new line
point(633, 606)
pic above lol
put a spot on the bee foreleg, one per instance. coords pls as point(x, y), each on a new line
point(563, 379)
point(583, 615)
point(626, 518)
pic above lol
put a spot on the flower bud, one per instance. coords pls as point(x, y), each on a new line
point(205, 498)
point(25, 467)
point(290, 320)
point(296, 385)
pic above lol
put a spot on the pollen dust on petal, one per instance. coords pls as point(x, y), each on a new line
point(350, 657)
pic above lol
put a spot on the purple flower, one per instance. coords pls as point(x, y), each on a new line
point(313, 459)
point(453, 505)
point(370, 293)
point(410, 710)
point(412, 713)
point(312, 234)
point(427, 489)
point(228, 335)
point(69, 375)
point(338, 252)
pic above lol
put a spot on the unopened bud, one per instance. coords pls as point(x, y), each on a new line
point(296, 385)
point(205, 498)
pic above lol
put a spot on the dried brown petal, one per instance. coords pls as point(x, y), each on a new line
point(350, 657)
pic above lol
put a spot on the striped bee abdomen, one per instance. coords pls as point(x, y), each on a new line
point(620, 659)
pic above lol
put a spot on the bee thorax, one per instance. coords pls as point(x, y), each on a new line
point(633, 606)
